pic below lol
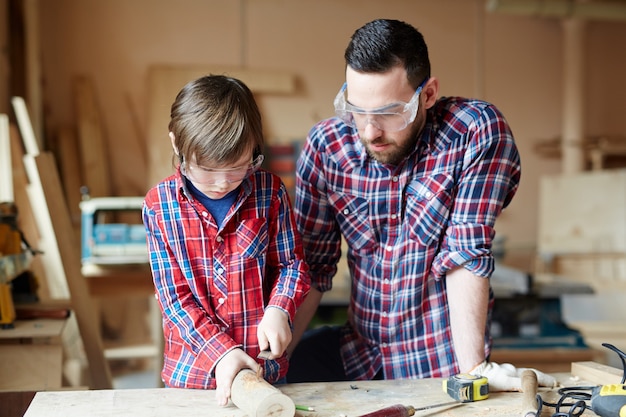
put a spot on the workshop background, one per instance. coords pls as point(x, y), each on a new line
point(555, 68)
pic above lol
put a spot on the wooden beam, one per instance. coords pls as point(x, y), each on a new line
point(93, 147)
point(6, 167)
point(60, 247)
point(81, 300)
point(597, 373)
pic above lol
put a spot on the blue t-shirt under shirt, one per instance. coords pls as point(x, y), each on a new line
point(218, 208)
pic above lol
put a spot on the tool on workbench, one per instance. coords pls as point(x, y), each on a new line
point(609, 400)
point(399, 410)
point(604, 400)
point(466, 387)
point(463, 388)
point(529, 393)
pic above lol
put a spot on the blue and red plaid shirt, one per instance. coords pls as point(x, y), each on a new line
point(213, 285)
point(405, 226)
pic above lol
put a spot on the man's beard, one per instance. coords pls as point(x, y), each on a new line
point(394, 155)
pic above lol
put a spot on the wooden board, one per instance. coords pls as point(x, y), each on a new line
point(164, 83)
point(53, 220)
point(30, 367)
point(71, 173)
point(597, 373)
point(34, 329)
point(93, 146)
point(583, 213)
point(329, 400)
point(69, 252)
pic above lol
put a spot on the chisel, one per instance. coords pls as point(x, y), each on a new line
point(400, 410)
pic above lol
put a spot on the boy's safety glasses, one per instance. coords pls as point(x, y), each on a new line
point(390, 118)
point(211, 176)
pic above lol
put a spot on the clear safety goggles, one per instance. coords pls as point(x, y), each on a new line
point(390, 118)
point(211, 176)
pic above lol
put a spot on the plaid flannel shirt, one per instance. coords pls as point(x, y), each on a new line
point(405, 226)
point(213, 285)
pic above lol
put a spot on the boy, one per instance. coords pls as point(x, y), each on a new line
point(226, 258)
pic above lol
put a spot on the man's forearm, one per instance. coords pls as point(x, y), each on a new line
point(468, 298)
point(305, 313)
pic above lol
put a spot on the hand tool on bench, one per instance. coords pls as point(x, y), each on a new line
point(529, 393)
point(463, 388)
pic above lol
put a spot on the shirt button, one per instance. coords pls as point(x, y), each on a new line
point(384, 314)
point(386, 281)
point(219, 239)
point(429, 195)
point(220, 271)
point(394, 216)
point(383, 345)
point(389, 248)
point(221, 300)
point(394, 178)
point(205, 214)
point(346, 211)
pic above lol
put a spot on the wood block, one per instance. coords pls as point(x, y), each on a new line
point(583, 213)
point(597, 373)
point(30, 367)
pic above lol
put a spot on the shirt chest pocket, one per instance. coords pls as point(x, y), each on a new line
point(353, 219)
point(428, 205)
point(252, 238)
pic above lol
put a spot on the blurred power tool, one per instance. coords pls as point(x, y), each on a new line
point(609, 400)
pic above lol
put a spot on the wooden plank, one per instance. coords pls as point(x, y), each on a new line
point(583, 213)
point(30, 367)
point(597, 373)
point(34, 329)
point(5, 78)
point(26, 218)
point(53, 220)
point(81, 300)
point(164, 83)
point(330, 399)
point(93, 147)
point(71, 172)
point(6, 166)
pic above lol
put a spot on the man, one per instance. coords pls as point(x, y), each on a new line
point(414, 184)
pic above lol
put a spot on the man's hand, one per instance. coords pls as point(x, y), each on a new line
point(506, 377)
point(274, 332)
point(227, 368)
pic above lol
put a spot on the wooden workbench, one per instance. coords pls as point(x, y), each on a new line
point(329, 399)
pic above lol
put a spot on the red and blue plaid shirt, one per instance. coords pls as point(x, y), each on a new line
point(213, 285)
point(405, 226)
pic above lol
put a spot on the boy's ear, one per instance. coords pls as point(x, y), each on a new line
point(173, 140)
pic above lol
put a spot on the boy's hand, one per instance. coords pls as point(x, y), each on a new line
point(274, 332)
point(227, 368)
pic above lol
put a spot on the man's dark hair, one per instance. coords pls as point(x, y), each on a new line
point(383, 43)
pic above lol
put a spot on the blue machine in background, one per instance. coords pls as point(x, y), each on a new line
point(112, 231)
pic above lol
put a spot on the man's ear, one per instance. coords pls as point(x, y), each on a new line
point(173, 140)
point(431, 92)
